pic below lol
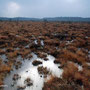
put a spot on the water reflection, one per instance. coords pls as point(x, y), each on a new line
point(29, 71)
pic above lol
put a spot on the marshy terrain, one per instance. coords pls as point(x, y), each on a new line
point(44, 55)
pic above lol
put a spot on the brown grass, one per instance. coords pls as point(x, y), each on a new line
point(4, 68)
point(69, 71)
point(55, 34)
point(12, 54)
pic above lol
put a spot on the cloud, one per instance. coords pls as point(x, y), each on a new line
point(13, 9)
point(44, 8)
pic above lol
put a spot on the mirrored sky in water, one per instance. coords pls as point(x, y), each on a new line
point(44, 8)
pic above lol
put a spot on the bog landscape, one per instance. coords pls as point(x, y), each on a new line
point(44, 55)
point(44, 44)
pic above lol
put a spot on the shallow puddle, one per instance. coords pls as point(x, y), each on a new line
point(4, 58)
point(27, 70)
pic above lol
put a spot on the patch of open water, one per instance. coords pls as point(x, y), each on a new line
point(27, 70)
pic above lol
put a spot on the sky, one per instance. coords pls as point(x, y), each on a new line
point(44, 8)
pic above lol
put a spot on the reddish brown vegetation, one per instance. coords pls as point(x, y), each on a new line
point(36, 63)
point(43, 71)
point(28, 82)
point(60, 84)
point(67, 42)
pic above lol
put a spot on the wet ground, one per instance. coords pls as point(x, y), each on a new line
point(27, 70)
point(44, 55)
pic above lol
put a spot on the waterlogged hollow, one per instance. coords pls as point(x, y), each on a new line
point(4, 58)
point(27, 70)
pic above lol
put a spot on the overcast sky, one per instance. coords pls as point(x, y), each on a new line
point(44, 8)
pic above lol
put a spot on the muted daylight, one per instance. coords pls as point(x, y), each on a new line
point(44, 8)
point(44, 45)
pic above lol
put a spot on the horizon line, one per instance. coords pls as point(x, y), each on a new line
point(46, 17)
